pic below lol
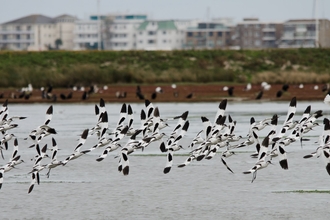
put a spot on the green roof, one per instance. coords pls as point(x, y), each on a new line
point(143, 25)
point(161, 25)
point(166, 25)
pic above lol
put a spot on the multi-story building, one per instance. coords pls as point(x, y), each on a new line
point(209, 35)
point(37, 32)
point(303, 33)
point(65, 31)
point(136, 32)
point(254, 34)
point(88, 33)
point(120, 31)
point(113, 32)
point(161, 35)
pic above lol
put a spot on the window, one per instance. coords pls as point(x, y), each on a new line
point(18, 28)
point(151, 41)
point(151, 33)
point(18, 36)
point(164, 41)
point(190, 34)
point(210, 43)
point(164, 32)
point(28, 28)
point(219, 34)
point(210, 34)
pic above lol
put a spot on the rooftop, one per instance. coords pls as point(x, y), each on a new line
point(32, 19)
point(161, 25)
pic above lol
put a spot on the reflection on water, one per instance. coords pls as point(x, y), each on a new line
point(86, 189)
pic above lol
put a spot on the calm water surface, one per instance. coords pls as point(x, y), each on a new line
point(86, 189)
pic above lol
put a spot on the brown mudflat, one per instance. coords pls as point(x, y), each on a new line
point(182, 93)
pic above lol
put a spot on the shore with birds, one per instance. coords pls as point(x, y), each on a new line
point(168, 93)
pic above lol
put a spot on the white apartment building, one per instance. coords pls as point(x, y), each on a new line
point(65, 31)
point(37, 32)
point(308, 33)
point(121, 31)
point(162, 35)
point(112, 32)
point(86, 34)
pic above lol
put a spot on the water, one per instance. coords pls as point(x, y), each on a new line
point(86, 189)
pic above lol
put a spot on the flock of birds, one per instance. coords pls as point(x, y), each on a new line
point(205, 145)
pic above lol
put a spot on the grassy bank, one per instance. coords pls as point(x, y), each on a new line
point(63, 68)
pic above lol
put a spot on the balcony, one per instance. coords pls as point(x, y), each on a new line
point(288, 36)
point(284, 46)
point(266, 29)
point(85, 32)
point(118, 40)
point(17, 41)
point(267, 38)
point(16, 32)
point(85, 40)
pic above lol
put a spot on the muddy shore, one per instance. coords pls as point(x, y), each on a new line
point(182, 93)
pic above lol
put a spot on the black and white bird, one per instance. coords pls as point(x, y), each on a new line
point(113, 145)
point(54, 163)
point(13, 161)
point(129, 148)
point(173, 146)
point(4, 142)
point(44, 129)
point(263, 160)
point(77, 152)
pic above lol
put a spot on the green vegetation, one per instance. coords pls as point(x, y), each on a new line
point(64, 68)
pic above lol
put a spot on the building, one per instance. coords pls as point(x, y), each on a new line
point(120, 31)
point(131, 31)
point(88, 33)
point(209, 35)
point(161, 35)
point(65, 31)
point(303, 33)
point(254, 34)
point(37, 32)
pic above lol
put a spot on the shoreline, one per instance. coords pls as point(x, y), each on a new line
point(182, 93)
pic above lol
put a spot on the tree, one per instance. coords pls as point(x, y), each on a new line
point(58, 43)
